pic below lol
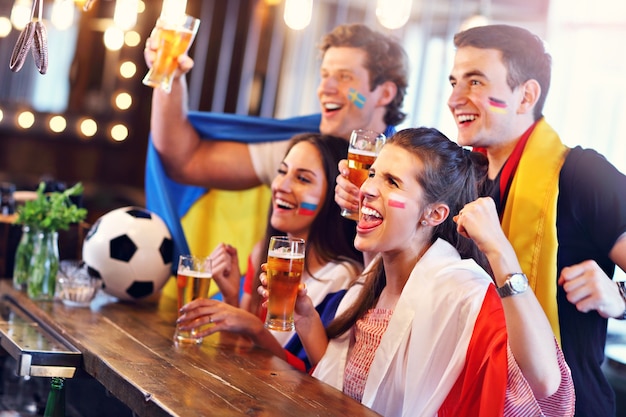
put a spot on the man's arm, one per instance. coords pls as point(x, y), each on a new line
point(188, 159)
point(618, 252)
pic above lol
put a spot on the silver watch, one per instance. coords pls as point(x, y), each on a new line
point(515, 283)
point(621, 286)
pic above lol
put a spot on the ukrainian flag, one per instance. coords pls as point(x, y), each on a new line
point(199, 218)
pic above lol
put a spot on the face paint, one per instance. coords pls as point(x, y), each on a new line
point(357, 98)
point(497, 106)
point(397, 201)
point(307, 208)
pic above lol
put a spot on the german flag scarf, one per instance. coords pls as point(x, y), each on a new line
point(529, 218)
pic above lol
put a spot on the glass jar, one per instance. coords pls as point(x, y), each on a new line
point(44, 264)
point(23, 254)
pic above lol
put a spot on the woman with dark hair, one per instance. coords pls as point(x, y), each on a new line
point(423, 332)
point(302, 207)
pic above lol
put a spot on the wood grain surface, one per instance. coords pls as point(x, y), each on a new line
point(128, 347)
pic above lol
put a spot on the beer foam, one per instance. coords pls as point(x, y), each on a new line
point(195, 274)
point(361, 152)
point(285, 253)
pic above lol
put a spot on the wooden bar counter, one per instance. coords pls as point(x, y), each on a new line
point(128, 348)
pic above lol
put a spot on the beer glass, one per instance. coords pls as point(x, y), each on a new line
point(285, 263)
point(193, 280)
point(173, 39)
point(362, 151)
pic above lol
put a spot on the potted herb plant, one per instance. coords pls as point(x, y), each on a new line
point(37, 255)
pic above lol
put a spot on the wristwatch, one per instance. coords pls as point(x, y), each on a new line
point(621, 286)
point(515, 283)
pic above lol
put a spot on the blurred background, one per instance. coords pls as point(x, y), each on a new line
point(87, 119)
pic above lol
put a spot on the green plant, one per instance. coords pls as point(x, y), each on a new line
point(37, 256)
point(51, 211)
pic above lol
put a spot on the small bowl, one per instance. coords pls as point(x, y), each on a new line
point(75, 287)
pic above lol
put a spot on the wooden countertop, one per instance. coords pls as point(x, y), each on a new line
point(128, 347)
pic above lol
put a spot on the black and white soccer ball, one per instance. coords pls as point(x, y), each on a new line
point(130, 249)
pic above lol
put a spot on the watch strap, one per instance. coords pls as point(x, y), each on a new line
point(507, 288)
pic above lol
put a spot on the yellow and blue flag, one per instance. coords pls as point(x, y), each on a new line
point(199, 218)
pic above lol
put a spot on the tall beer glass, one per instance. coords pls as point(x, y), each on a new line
point(285, 263)
point(193, 280)
point(173, 39)
point(362, 151)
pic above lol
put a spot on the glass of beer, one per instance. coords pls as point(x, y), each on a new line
point(285, 263)
point(173, 39)
point(193, 279)
point(362, 151)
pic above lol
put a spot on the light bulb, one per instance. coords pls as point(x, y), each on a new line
point(20, 13)
point(393, 14)
point(125, 14)
point(62, 15)
point(298, 13)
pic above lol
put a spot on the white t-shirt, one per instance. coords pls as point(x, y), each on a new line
point(266, 158)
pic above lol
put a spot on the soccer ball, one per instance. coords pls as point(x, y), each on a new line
point(130, 249)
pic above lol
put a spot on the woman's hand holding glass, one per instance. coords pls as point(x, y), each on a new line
point(307, 321)
point(223, 317)
point(346, 193)
point(304, 309)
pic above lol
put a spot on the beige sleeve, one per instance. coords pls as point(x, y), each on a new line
point(266, 158)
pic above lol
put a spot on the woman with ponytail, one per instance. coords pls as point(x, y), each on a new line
point(425, 332)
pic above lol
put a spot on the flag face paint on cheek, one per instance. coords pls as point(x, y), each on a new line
point(397, 201)
point(497, 106)
point(307, 208)
point(357, 98)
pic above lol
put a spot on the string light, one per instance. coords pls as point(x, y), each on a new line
point(88, 127)
point(123, 101)
point(57, 124)
point(26, 119)
point(132, 38)
point(128, 69)
point(119, 133)
point(113, 38)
